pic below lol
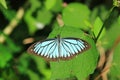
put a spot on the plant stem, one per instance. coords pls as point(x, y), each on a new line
point(110, 20)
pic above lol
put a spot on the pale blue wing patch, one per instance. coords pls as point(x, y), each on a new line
point(64, 51)
point(68, 44)
point(52, 51)
point(59, 48)
point(73, 46)
point(48, 48)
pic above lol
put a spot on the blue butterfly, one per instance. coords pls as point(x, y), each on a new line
point(59, 48)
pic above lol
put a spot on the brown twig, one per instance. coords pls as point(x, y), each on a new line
point(11, 26)
point(105, 62)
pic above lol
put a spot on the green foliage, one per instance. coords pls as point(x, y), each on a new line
point(96, 24)
point(9, 75)
point(53, 5)
point(5, 56)
point(3, 3)
point(115, 68)
point(116, 3)
point(29, 18)
point(34, 5)
point(78, 12)
point(36, 67)
point(41, 65)
point(80, 67)
point(111, 34)
point(7, 51)
point(8, 13)
point(41, 16)
point(99, 11)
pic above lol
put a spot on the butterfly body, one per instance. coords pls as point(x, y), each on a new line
point(59, 48)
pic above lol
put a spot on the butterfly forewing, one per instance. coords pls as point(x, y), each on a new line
point(63, 48)
point(72, 46)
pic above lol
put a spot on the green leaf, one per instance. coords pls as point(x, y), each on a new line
point(1, 79)
point(34, 5)
point(6, 50)
point(30, 21)
point(44, 16)
point(100, 11)
point(41, 65)
point(54, 5)
point(114, 73)
point(25, 66)
point(97, 27)
point(12, 46)
point(3, 3)
point(33, 75)
point(9, 74)
point(8, 13)
point(111, 34)
point(5, 55)
point(80, 66)
point(23, 63)
point(76, 15)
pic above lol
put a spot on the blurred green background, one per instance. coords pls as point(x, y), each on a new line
point(23, 22)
